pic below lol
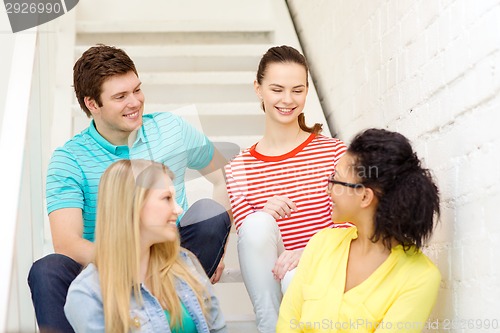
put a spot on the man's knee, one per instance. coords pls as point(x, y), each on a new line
point(208, 205)
point(207, 211)
point(44, 266)
point(214, 228)
point(50, 267)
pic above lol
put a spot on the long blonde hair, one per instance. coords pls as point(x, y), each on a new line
point(120, 200)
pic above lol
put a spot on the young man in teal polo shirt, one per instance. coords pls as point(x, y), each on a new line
point(108, 89)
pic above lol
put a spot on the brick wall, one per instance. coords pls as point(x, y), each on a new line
point(429, 69)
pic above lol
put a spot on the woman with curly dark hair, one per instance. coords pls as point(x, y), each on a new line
point(372, 277)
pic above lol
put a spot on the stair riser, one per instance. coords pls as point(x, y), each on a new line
point(203, 63)
point(163, 38)
point(228, 93)
point(229, 125)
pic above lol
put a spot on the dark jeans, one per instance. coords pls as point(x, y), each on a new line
point(51, 276)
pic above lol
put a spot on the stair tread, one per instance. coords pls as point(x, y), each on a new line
point(218, 50)
point(198, 78)
point(207, 109)
point(154, 26)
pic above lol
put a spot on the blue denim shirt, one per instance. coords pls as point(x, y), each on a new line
point(85, 312)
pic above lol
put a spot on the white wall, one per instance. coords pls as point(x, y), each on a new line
point(7, 42)
point(429, 69)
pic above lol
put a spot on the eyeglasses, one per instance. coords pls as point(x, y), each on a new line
point(332, 181)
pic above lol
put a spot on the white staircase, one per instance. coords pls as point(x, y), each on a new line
point(198, 59)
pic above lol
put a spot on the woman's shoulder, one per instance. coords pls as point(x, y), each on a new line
point(87, 281)
point(418, 266)
point(325, 246)
point(192, 262)
point(330, 236)
point(186, 255)
point(244, 154)
point(240, 162)
point(325, 142)
point(328, 140)
point(89, 273)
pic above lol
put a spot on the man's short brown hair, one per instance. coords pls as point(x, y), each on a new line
point(95, 66)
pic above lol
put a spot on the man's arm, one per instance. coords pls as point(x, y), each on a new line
point(66, 226)
point(214, 173)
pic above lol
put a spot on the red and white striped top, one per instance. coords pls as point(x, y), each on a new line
point(301, 175)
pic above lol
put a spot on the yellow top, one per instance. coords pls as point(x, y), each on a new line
point(397, 297)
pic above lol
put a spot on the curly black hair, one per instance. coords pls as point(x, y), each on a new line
point(408, 197)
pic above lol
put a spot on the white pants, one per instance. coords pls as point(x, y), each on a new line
point(259, 246)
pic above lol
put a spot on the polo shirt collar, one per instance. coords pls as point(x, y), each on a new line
point(102, 141)
point(140, 134)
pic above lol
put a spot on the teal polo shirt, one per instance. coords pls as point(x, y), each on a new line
point(76, 168)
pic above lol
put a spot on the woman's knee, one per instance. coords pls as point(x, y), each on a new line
point(258, 228)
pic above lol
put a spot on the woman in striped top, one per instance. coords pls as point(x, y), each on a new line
point(277, 186)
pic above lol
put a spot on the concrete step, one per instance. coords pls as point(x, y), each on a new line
point(198, 87)
point(207, 109)
point(249, 25)
point(176, 38)
point(198, 78)
point(235, 305)
point(215, 119)
point(179, 58)
point(242, 326)
point(163, 32)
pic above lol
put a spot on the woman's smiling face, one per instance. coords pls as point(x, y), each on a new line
point(283, 91)
point(159, 213)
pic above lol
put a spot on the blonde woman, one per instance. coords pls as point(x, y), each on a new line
point(141, 279)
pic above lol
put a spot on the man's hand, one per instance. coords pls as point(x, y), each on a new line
point(218, 272)
point(287, 261)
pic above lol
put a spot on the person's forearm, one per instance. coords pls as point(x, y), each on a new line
point(220, 195)
point(80, 250)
